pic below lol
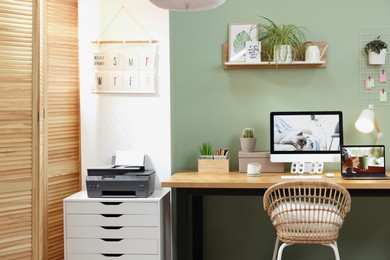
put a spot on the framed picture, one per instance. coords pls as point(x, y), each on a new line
point(239, 34)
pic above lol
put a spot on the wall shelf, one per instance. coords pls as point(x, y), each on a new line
point(300, 64)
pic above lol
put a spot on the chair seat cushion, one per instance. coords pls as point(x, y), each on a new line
point(305, 220)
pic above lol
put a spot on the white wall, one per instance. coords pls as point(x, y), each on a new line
point(111, 122)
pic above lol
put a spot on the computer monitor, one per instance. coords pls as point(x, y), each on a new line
point(306, 136)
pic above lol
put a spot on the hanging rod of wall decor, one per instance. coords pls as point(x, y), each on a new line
point(133, 41)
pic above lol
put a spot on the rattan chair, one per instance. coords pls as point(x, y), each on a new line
point(307, 212)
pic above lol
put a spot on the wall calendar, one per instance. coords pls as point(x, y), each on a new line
point(125, 66)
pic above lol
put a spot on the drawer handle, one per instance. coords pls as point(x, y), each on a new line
point(111, 203)
point(114, 227)
point(111, 215)
point(112, 255)
point(112, 239)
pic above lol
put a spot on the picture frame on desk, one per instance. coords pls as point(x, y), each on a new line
point(239, 34)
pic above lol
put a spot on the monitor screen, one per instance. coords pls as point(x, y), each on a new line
point(311, 136)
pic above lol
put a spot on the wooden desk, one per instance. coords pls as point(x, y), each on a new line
point(191, 187)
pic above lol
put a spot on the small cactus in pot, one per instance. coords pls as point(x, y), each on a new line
point(247, 140)
point(248, 133)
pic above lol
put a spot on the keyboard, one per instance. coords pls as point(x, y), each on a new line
point(301, 177)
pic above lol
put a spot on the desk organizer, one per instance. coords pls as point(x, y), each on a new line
point(258, 157)
point(213, 165)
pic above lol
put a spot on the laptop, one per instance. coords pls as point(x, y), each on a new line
point(363, 162)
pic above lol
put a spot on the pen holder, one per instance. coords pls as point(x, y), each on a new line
point(219, 164)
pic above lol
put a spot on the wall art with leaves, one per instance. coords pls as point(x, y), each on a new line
point(239, 34)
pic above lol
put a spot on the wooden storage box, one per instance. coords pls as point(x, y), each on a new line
point(258, 157)
point(213, 165)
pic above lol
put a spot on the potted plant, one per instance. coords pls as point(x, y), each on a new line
point(207, 161)
point(283, 43)
point(206, 151)
point(376, 51)
point(247, 140)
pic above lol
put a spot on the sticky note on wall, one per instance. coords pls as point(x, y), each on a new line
point(369, 83)
point(383, 96)
point(382, 76)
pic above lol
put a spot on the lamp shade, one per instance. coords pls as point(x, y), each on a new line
point(366, 121)
point(187, 5)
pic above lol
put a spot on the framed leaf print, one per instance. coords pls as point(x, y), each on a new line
point(239, 34)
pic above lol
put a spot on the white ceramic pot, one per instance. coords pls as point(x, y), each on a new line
point(312, 53)
point(207, 157)
point(283, 54)
point(377, 59)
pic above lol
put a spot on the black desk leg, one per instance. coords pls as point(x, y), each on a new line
point(197, 227)
point(182, 224)
point(184, 201)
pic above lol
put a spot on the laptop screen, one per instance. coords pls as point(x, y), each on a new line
point(363, 159)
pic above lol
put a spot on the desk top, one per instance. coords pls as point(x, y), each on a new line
point(239, 180)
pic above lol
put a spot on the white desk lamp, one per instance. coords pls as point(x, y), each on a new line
point(366, 122)
point(187, 5)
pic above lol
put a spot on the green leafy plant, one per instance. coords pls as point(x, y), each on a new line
point(248, 133)
point(376, 46)
point(206, 149)
point(273, 36)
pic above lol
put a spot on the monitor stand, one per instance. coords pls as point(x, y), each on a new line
point(307, 167)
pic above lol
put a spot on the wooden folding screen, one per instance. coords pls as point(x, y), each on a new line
point(39, 124)
point(61, 135)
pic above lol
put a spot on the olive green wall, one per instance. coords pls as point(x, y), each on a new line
point(213, 104)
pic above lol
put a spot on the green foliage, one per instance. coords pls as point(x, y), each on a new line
point(377, 152)
point(206, 149)
point(248, 133)
point(274, 35)
point(376, 46)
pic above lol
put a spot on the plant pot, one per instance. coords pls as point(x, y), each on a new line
point(283, 54)
point(248, 144)
point(207, 157)
point(377, 59)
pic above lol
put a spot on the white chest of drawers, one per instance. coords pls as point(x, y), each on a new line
point(117, 228)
